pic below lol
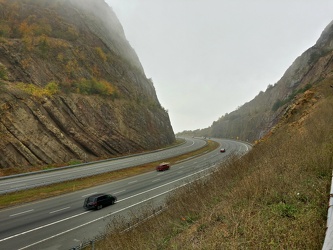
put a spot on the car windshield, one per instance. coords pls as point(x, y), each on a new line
point(90, 199)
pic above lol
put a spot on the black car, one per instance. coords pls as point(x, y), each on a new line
point(97, 201)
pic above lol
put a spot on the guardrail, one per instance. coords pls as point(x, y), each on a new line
point(328, 242)
point(68, 178)
point(86, 163)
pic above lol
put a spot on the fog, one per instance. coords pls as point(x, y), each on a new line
point(208, 57)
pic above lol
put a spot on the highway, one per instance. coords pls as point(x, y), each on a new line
point(21, 182)
point(62, 223)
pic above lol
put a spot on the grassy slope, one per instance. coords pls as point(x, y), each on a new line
point(275, 197)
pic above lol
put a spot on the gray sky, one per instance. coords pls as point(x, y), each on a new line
point(208, 57)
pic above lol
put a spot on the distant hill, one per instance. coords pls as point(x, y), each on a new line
point(71, 86)
point(277, 196)
point(255, 119)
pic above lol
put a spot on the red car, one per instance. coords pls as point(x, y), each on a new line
point(222, 150)
point(163, 166)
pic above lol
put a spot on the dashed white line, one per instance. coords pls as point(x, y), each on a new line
point(59, 210)
point(132, 182)
point(155, 180)
point(44, 226)
point(120, 191)
point(89, 194)
point(89, 222)
point(28, 211)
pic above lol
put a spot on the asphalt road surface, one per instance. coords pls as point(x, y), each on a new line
point(62, 223)
point(21, 182)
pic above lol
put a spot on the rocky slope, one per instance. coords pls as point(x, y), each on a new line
point(256, 118)
point(71, 86)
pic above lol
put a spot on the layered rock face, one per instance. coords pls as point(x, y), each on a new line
point(256, 118)
point(71, 86)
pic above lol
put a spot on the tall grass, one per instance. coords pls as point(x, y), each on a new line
point(275, 197)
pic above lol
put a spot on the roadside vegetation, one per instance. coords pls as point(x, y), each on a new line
point(34, 194)
point(275, 197)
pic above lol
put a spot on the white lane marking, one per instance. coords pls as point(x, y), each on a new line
point(28, 211)
point(55, 211)
point(88, 194)
point(155, 180)
point(132, 182)
point(71, 171)
point(41, 227)
point(107, 215)
point(179, 172)
point(71, 217)
point(120, 191)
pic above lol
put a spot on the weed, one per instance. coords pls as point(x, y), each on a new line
point(275, 197)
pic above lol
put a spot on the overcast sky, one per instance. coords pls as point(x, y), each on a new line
point(208, 57)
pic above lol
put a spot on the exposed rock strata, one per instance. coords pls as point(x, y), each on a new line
point(70, 44)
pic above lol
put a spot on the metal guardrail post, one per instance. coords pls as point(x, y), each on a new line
point(328, 242)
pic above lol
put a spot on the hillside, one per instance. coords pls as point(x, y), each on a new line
point(274, 197)
point(71, 86)
point(256, 118)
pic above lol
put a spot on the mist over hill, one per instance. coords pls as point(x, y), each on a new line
point(72, 87)
point(253, 120)
point(278, 195)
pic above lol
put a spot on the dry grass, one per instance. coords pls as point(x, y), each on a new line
point(275, 197)
point(16, 198)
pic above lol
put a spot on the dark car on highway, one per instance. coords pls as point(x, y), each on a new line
point(163, 166)
point(97, 201)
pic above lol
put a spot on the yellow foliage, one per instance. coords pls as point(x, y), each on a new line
point(26, 63)
point(60, 57)
point(61, 43)
point(25, 29)
point(101, 54)
point(73, 31)
point(110, 89)
point(95, 71)
point(71, 67)
point(50, 89)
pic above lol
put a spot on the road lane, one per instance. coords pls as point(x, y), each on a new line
point(20, 182)
point(35, 227)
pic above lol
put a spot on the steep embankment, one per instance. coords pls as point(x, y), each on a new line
point(255, 118)
point(71, 86)
point(274, 197)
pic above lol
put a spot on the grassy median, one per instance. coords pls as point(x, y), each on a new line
point(34, 194)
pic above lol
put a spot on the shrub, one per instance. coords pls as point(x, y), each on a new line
point(52, 88)
point(92, 86)
point(3, 72)
point(101, 54)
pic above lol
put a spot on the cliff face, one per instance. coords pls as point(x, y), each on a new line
point(256, 118)
point(71, 86)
